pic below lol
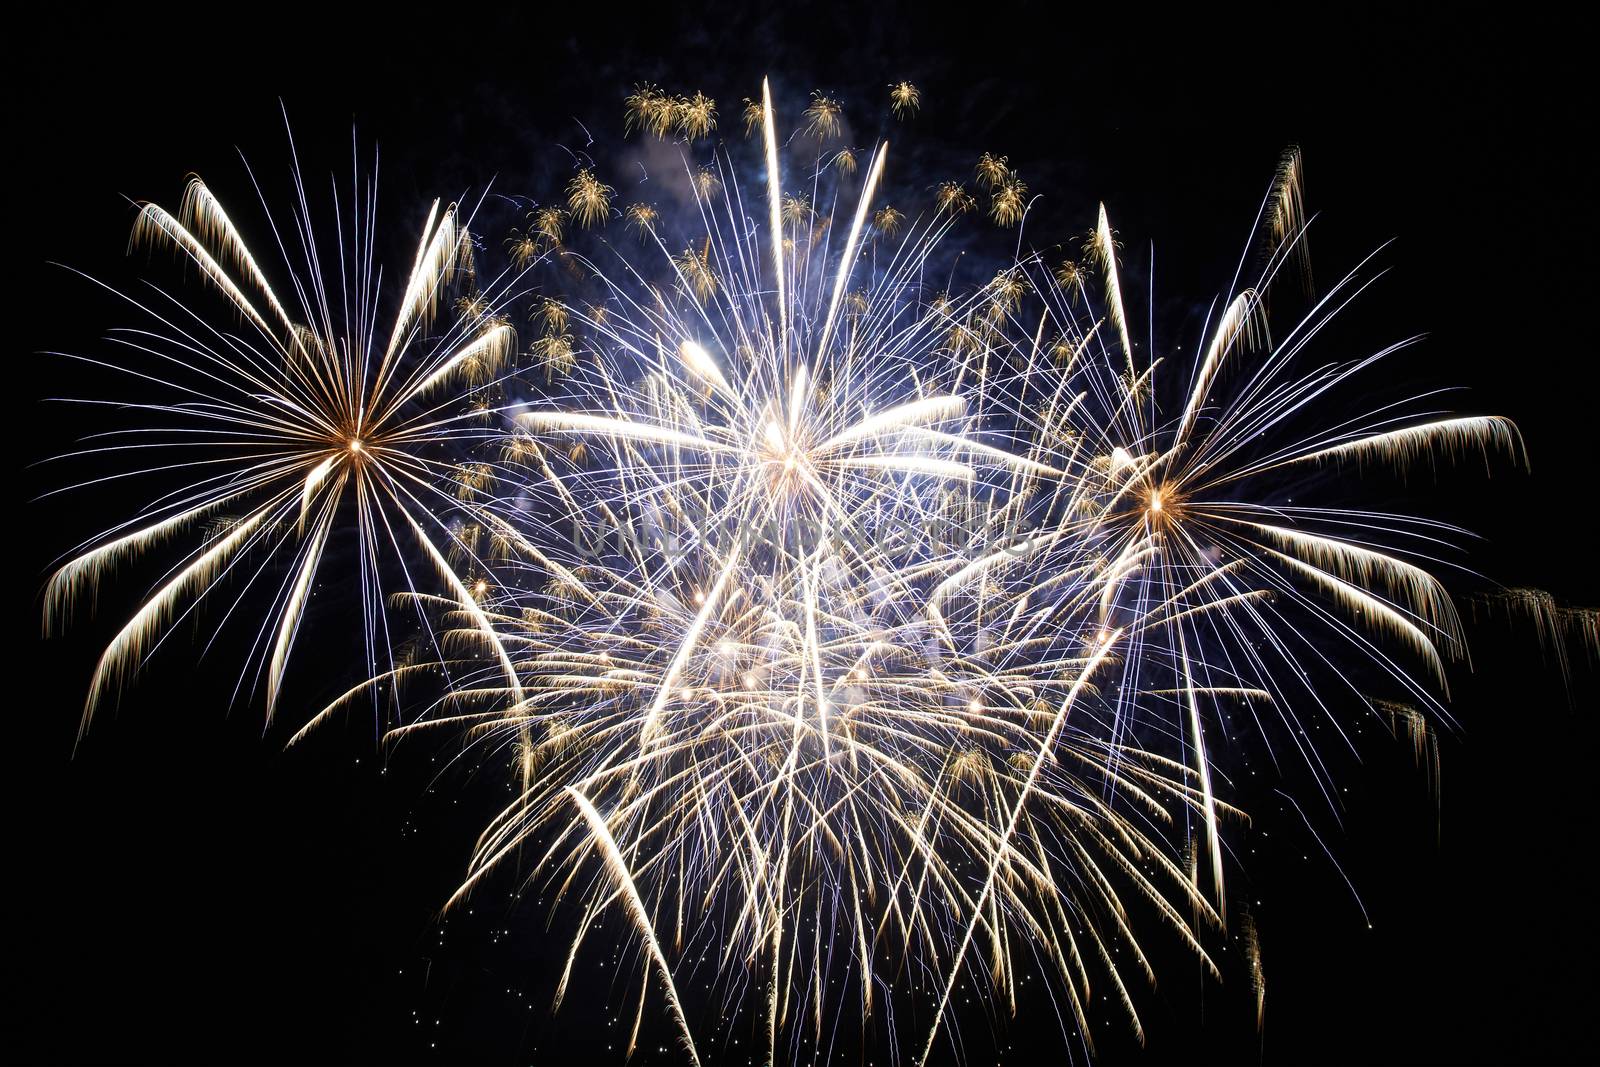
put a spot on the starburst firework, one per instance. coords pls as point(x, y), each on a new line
point(294, 425)
point(844, 630)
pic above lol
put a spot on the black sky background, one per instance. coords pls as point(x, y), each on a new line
point(183, 889)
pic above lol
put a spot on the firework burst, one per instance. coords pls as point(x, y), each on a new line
point(891, 644)
point(853, 639)
point(290, 426)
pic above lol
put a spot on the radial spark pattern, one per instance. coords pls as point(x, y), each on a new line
point(854, 639)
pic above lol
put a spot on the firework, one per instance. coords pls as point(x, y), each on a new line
point(888, 221)
point(653, 111)
point(1009, 202)
point(649, 109)
point(824, 117)
point(905, 99)
point(952, 197)
point(292, 425)
point(904, 620)
point(643, 218)
point(851, 634)
point(992, 170)
point(588, 199)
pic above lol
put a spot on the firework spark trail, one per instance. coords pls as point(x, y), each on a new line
point(636, 909)
point(769, 133)
point(917, 617)
point(1046, 744)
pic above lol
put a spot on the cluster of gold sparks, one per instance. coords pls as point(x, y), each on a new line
point(854, 639)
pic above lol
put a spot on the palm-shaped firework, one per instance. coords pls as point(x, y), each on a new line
point(289, 425)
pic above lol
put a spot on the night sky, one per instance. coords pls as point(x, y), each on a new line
point(182, 889)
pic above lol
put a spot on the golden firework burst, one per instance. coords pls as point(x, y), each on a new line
point(905, 99)
point(588, 198)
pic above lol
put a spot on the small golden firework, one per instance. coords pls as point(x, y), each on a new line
point(695, 115)
point(960, 339)
point(551, 315)
point(1010, 201)
point(845, 160)
point(1006, 292)
point(520, 448)
point(1101, 247)
point(707, 184)
point(549, 223)
point(471, 306)
point(1069, 275)
point(472, 479)
point(588, 198)
point(464, 540)
point(887, 221)
point(992, 170)
point(556, 352)
point(905, 99)
point(824, 117)
point(752, 115)
point(523, 248)
point(1063, 350)
point(642, 218)
point(796, 210)
point(649, 109)
point(696, 270)
point(954, 198)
